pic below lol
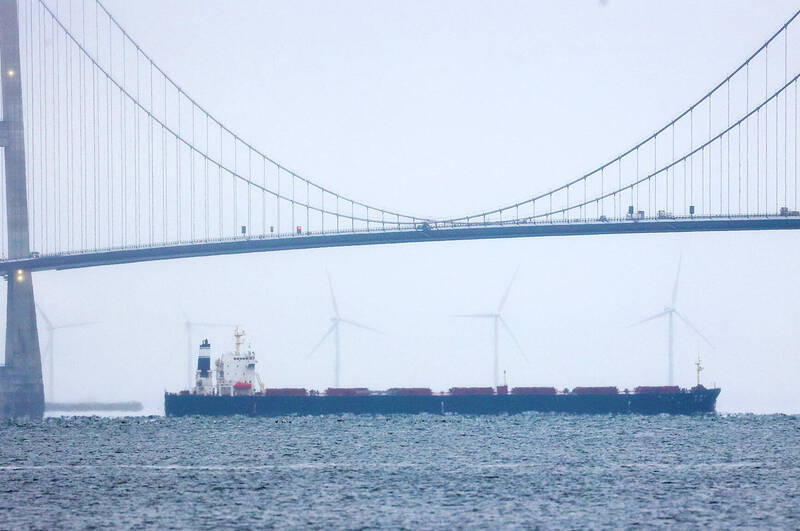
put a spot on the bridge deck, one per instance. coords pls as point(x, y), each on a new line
point(431, 234)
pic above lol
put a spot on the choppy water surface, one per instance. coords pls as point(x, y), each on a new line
point(401, 471)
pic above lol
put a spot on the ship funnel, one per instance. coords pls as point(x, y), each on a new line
point(204, 359)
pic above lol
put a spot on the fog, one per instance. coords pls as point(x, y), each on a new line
point(441, 109)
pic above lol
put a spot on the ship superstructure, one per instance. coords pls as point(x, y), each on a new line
point(235, 371)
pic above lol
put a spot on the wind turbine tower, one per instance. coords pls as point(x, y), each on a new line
point(497, 320)
point(336, 322)
point(671, 312)
point(49, 348)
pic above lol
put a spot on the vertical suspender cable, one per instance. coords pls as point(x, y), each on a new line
point(703, 180)
point(293, 222)
point(766, 131)
point(739, 165)
point(43, 180)
point(691, 150)
point(123, 102)
point(785, 116)
point(264, 197)
point(110, 150)
point(671, 166)
point(278, 201)
point(150, 156)
point(220, 188)
point(777, 173)
point(95, 133)
point(235, 184)
point(137, 150)
point(721, 176)
point(70, 140)
point(191, 177)
point(710, 152)
point(207, 157)
point(164, 166)
point(83, 118)
point(728, 139)
point(619, 186)
point(56, 139)
point(602, 187)
point(57, 86)
point(636, 180)
point(178, 167)
point(96, 129)
point(249, 188)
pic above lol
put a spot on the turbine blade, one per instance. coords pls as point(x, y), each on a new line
point(677, 278)
point(656, 316)
point(44, 317)
point(478, 315)
point(75, 325)
point(359, 325)
point(324, 337)
point(508, 290)
point(694, 328)
point(333, 297)
point(48, 349)
point(516, 341)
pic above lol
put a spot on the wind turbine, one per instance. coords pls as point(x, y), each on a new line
point(497, 318)
point(190, 347)
point(51, 330)
point(336, 321)
point(671, 312)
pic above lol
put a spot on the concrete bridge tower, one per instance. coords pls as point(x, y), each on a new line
point(21, 389)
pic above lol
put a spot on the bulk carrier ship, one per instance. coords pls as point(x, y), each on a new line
point(232, 391)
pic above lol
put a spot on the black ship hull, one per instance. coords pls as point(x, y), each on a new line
point(686, 402)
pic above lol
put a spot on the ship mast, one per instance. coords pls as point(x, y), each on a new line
point(699, 369)
point(238, 334)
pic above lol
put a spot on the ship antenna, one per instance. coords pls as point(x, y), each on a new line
point(699, 368)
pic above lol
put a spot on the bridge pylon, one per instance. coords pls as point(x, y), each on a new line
point(21, 387)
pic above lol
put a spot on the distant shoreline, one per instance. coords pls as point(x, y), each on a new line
point(93, 406)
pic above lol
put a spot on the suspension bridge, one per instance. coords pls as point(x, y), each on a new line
point(108, 160)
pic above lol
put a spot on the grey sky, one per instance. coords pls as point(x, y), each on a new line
point(437, 109)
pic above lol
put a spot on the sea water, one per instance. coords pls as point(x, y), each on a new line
point(403, 471)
